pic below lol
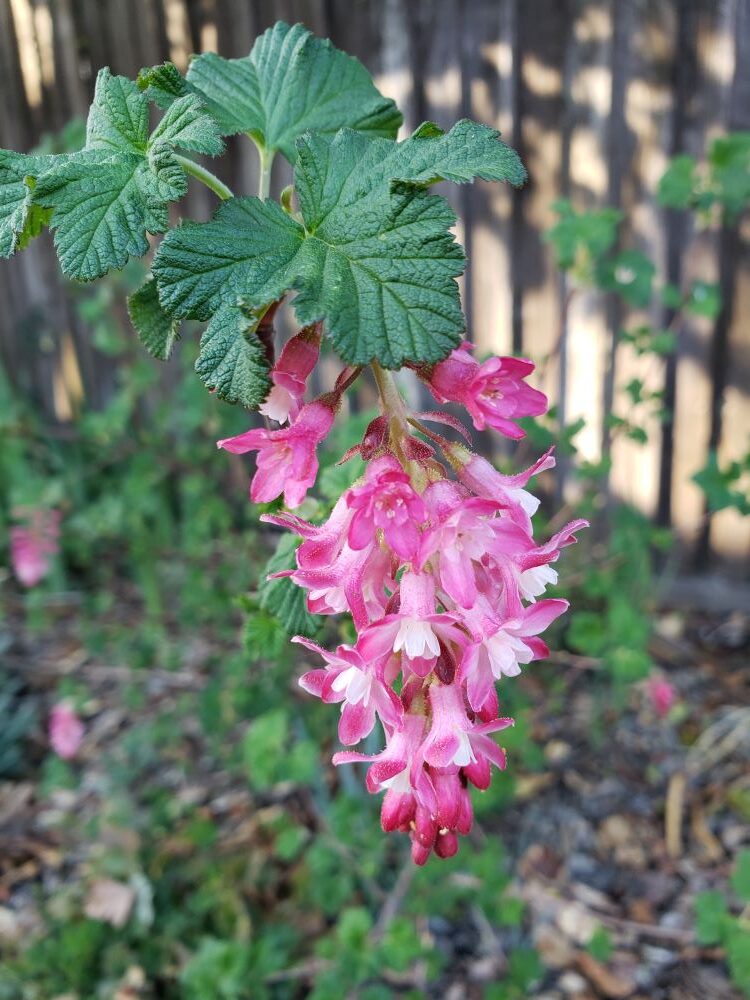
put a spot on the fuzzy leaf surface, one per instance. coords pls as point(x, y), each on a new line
point(18, 222)
point(374, 256)
point(232, 361)
point(106, 199)
point(187, 124)
point(290, 82)
point(103, 207)
point(156, 329)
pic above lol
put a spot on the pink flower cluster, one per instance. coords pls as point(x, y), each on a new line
point(33, 543)
point(443, 580)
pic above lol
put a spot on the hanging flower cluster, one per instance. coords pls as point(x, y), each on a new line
point(435, 560)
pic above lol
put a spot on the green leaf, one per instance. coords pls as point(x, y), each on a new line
point(738, 956)
point(729, 162)
point(201, 266)
point(105, 199)
point(19, 220)
point(524, 968)
point(118, 116)
point(291, 82)
point(232, 361)
point(678, 183)
point(374, 257)
point(188, 125)
point(103, 207)
point(710, 917)
point(600, 945)
point(266, 743)
point(631, 274)
point(284, 599)
point(634, 389)
point(582, 237)
point(637, 434)
point(704, 299)
point(162, 84)
point(718, 485)
point(156, 329)
point(264, 637)
point(741, 876)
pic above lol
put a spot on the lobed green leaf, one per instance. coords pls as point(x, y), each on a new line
point(19, 221)
point(103, 207)
point(373, 255)
point(290, 82)
point(187, 124)
point(232, 361)
point(156, 329)
point(103, 201)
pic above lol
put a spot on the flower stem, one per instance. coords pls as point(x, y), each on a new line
point(266, 162)
point(393, 407)
point(204, 176)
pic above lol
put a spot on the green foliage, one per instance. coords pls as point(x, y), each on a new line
point(600, 945)
point(220, 969)
point(631, 274)
point(715, 924)
point(727, 487)
point(156, 330)
point(729, 177)
point(704, 299)
point(676, 186)
point(741, 876)
point(369, 252)
point(292, 82)
point(372, 254)
point(722, 184)
point(17, 173)
point(272, 756)
point(580, 239)
point(105, 199)
point(18, 717)
point(282, 598)
point(232, 362)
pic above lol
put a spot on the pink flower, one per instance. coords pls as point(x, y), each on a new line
point(461, 535)
point(410, 803)
point(494, 393)
point(65, 730)
point(32, 545)
point(509, 492)
point(454, 740)
point(287, 460)
point(358, 685)
point(417, 631)
point(386, 501)
point(442, 578)
point(662, 695)
point(289, 376)
point(499, 648)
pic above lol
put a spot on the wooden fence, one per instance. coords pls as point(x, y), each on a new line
point(596, 95)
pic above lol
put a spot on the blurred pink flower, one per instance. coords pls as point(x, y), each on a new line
point(65, 730)
point(33, 543)
point(662, 695)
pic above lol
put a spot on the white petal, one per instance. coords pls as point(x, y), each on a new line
point(464, 755)
point(533, 582)
point(416, 639)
